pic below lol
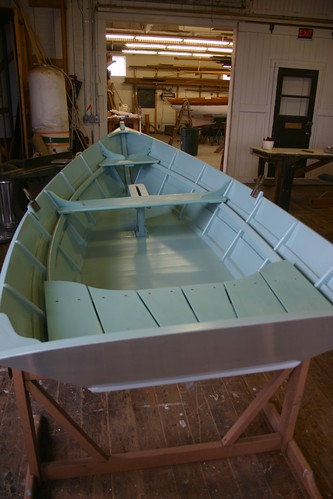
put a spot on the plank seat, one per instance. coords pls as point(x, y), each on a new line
point(74, 309)
point(116, 159)
point(69, 310)
point(65, 206)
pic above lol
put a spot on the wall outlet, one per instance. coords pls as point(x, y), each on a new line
point(96, 118)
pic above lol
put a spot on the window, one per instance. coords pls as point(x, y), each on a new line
point(118, 66)
point(146, 97)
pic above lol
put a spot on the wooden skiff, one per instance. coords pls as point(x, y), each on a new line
point(142, 265)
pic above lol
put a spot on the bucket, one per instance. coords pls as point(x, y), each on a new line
point(55, 141)
point(189, 138)
point(8, 219)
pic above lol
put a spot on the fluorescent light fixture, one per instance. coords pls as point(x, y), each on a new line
point(146, 52)
point(220, 50)
point(176, 46)
point(174, 53)
point(204, 41)
point(120, 37)
point(186, 47)
point(200, 54)
point(158, 39)
point(145, 46)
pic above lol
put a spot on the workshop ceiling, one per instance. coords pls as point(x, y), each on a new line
point(208, 43)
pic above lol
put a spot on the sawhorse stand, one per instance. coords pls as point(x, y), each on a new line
point(232, 444)
point(185, 107)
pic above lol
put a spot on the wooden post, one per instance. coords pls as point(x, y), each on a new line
point(64, 35)
point(147, 124)
point(27, 423)
point(292, 403)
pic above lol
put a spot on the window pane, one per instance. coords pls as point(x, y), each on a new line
point(293, 85)
point(294, 106)
point(118, 66)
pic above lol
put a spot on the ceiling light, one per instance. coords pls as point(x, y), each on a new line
point(133, 51)
point(205, 41)
point(186, 47)
point(145, 46)
point(111, 36)
point(202, 55)
point(158, 39)
point(174, 53)
point(220, 50)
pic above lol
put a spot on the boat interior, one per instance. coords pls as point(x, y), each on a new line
point(134, 224)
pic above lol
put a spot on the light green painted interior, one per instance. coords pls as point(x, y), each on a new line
point(172, 254)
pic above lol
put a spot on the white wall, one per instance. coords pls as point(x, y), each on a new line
point(258, 56)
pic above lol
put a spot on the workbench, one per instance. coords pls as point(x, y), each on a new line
point(287, 166)
point(131, 122)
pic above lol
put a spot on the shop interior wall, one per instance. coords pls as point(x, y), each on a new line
point(258, 56)
point(162, 114)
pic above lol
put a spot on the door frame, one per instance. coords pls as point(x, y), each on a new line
point(313, 75)
point(280, 63)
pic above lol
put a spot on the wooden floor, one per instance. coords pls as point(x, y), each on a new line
point(180, 414)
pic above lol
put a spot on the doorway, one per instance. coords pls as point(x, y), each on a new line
point(294, 105)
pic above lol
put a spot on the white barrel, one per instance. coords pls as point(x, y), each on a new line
point(48, 103)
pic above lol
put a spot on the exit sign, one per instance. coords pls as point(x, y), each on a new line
point(305, 33)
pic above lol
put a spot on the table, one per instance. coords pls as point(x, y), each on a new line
point(113, 122)
point(286, 165)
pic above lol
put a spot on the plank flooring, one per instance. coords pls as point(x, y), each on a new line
point(179, 414)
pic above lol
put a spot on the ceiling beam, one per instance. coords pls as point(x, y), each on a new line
point(157, 10)
point(179, 82)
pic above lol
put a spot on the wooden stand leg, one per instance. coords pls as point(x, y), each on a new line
point(31, 481)
point(286, 423)
point(292, 403)
point(29, 433)
point(232, 443)
point(255, 407)
point(54, 409)
point(27, 422)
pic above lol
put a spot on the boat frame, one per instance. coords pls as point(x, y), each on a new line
point(232, 444)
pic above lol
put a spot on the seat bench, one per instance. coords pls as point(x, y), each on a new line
point(139, 199)
point(74, 309)
point(66, 207)
point(116, 159)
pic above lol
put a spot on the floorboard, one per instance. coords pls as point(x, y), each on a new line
point(181, 414)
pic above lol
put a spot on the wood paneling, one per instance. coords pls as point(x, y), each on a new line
point(259, 54)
